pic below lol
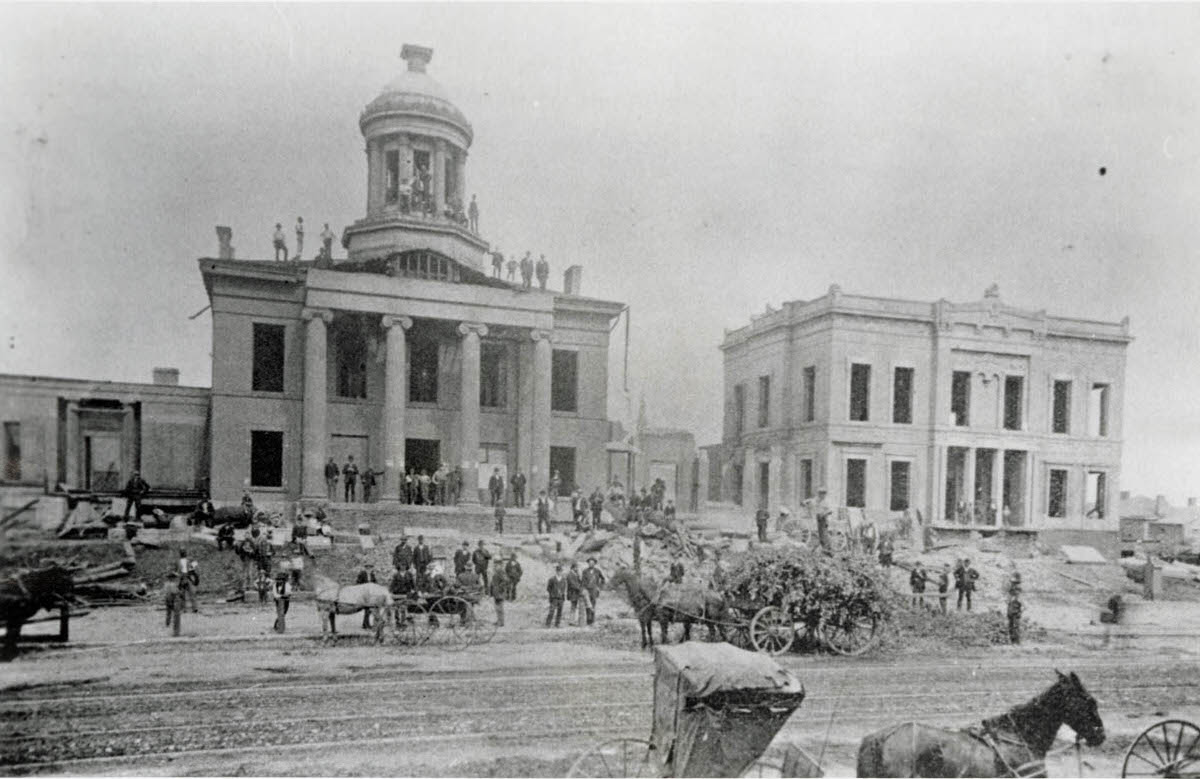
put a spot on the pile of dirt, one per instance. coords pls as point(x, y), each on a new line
point(918, 631)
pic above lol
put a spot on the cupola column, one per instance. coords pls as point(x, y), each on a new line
point(375, 176)
point(438, 176)
point(460, 177)
point(406, 155)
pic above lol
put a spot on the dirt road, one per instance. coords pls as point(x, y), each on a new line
point(526, 704)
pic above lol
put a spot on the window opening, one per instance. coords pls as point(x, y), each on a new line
point(898, 500)
point(266, 458)
point(267, 369)
point(1098, 411)
point(856, 483)
point(1062, 407)
point(564, 394)
point(810, 393)
point(1014, 401)
point(764, 400)
point(902, 404)
point(1057, 502)
point(860, 392)
point(960, 398)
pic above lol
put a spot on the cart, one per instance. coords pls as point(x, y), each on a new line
point(773, 628)
point(1168, 748)
point(716, 710)
point(447, 619)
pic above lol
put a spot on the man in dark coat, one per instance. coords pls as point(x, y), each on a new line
point(518, 488)
point(499, 589)
point(462, 558)
point(527, 271)
point(574, 588)
point(331, 478)
point(916, 581)
point(593, 580)
point(402, 555)
point(543, 512)
point(422, 557)
point(481, 558)
point(513, 569)
point(496, 487)
point(969, 577)
point(960, 568)
point(761, 517)
point(135, 490)
point(1014, 608)
point(350, 480)
point(543, 271)
point(556, 590)
point(596, 503)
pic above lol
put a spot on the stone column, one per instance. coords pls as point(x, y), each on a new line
point(375, 177)
point(998, 484)
point(750, 480)
point(406, 153)
point(438, 175)
point(775, 480)
point(469, 414)
point(539, 466)
point(315, 403)
point(395, 399)
point(969, 487)
point(461, 168)
point(71, 458)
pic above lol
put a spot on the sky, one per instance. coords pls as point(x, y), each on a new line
point(699, 161)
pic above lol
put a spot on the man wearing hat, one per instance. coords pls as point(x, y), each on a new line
point(823, 512)
point(593, 578)
point(422, 557)
point(784, 514)
point(462, 558)
point(760, 520)
point(173, 601)
point(367, 576)
point(282, 591)
point(556, 590)
point(1014, 608)
point(512, 569)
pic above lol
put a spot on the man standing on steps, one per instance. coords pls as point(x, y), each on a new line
point(331, 479)
point(518, 488)
point(543, 513)
point(496, 486)
point(350, 479)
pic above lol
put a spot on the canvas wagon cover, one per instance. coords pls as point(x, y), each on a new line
point(717, 707)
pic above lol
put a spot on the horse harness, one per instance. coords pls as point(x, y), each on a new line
point(994, 739)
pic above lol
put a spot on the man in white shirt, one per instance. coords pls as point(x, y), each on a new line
point(299, 238)
point(280, 246)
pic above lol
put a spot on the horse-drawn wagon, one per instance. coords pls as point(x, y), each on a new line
point(445, 617)
point(716, 710)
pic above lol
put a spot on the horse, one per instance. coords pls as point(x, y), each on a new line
point(334, 599)
point(1011, 744)
point(683, 605)
point(24, 594)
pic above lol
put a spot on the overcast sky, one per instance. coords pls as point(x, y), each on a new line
point(700, 162)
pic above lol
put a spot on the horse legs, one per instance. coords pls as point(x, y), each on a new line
point(664, 623)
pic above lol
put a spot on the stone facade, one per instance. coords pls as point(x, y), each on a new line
point(975, 414)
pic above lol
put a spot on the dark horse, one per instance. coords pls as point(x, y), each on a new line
point(1011, 744)
point(23, 595)
point(680, 604)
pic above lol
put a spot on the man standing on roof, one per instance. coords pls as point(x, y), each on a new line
point(526, 271)
point(543, 272)
point(473, 217)
point(280, 246)
point(327, 242)
point(497, 263)
point(299, 238)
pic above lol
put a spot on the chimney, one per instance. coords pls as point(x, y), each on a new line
point(573, 280)
point(417, 57)
point(166, 377)
point(224, 242)
point(1160, 505)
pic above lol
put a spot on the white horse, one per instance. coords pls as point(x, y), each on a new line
point(334, 599)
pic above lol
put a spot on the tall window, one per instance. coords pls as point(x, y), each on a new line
point(12, 451)
point(493, 375)
point(1095, 508)
point(350, 346)
point(423, 370)
point(1062, 407)
point(1098, 411)
point(806, 479)
point(810, 393)
point(901, 470)
point(960, 397)
point(764, 401)
point(266, 458)
point(856, 483)
point(1014, 401)
point(739, 409)
point(860, 392)
point(564, 381)
point(1056, 503)
point(267, 369)
point(902, 401)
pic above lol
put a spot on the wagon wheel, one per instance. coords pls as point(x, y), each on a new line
point(456, 627)
point(416, 627)
point(1168, 748)
point(772, 631)
point(852, 636)
point(617, 757)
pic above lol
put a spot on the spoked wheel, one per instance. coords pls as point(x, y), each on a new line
point(739, 635)
point(456, 622)
point(1169, 748)
point(414, 627)
point(618, 757)
point(772, 631)
point(852, 636)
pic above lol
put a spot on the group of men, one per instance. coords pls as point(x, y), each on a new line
point(966, 579)
point(529, 269)
point(417, 487)
point(350, 475)
point(516, 483)
point(580, 589)
point(280, 242)
point(414, 575)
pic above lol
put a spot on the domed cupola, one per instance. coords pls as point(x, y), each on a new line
point(415, 95)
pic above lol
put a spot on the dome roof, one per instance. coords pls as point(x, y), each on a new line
point(414, 91)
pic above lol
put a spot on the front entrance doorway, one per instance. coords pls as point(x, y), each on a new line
point(422, 454)
point(562, 459)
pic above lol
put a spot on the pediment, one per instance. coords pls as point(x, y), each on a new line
point(991, 311)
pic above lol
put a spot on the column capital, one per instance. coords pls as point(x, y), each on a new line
point(395, 320)
point(324, 314)
point(540, 335)
point(479, 328)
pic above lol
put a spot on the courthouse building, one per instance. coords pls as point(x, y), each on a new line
point(405, 354)
point(978, 414)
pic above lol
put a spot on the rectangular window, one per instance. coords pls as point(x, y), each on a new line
point(960, 398)
point(1014, 401)
point(810, 393)
point(1095, 507)
point(1056, 504)
point(423, 370)
point(1062, 407)
point(902, 402)
point(350, 349)
point(899, 490)
point(806, 479)
point(392, 163)
point(764, 485)
point(493, 375)
point(1098, 411)
point(739, 409)
point(856, 483)
point(12, 451)
point(564, 381)
point(266, 458)
point(860, 392)
point(267, 370)
point(764, 401)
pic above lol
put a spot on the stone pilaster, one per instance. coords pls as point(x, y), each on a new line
point(71, 458)
point(539, 468)
point(471, 332)
point(315, 402)
point(970, 485)
point(395, 399)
